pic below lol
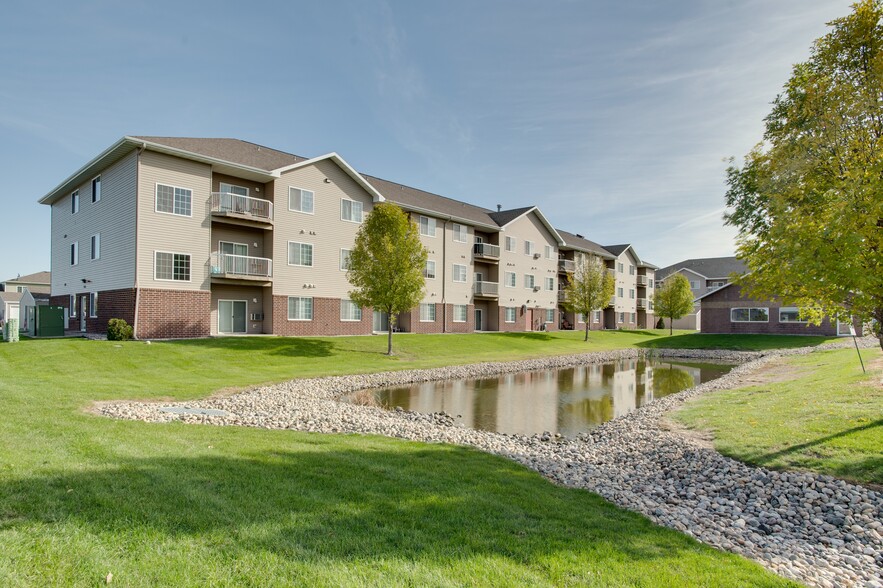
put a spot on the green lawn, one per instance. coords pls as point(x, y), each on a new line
point(824, 416)
point(81, 496)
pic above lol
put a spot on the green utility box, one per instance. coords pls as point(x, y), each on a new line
point(50, 321)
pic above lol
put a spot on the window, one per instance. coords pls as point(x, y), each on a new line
point(510, 244)
point(459, 273)
point(345, 259)
point(790, 314)
point(621, 317)
point(631, 270)
point(694, 285)
point(300, 254)
point(349, 311)
point(173, 200)
point(550, 315)
point(232, 189)
point(427, 312)
point(650, 282)
point(75, 202)
point(632, 293)
point(460, 312)
point(429, 270)
point(75, 253)
point(93, 304)
point(427, 226)
point(619, 292)
point(461, 233)
point(510, 315)
point(528, 247)
point(634, 318)
point(96, 189)
point(619, 266)
point(96, 246)
point(300, 308)
point(529, 281)
point(749, 315)
point(19, 288)
point(300, 200)
point(509, 279)
point(350, 210)
point(72, 305)
point(581, 318)
point(550, 251)
point(718, 284)
point(171, 266)
point(550, 283)
point(596, 316)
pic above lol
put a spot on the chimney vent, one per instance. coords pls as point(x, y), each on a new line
point(580, 236)
point(499, 207)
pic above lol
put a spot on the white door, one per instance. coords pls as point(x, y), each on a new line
point(231, 316)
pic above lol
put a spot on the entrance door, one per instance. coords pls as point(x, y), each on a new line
point(381, 321)
point(479, 326)
point(231, 316)
point(84, 300)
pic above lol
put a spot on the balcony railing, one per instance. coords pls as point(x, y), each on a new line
point(642, 281)
point(486, 289)
point(561, 296)
point(232, 266)
point(486, 250)
point(244, 205)
point(642, 303)
point(612, 301)
point(611, 271)
point(566, 265)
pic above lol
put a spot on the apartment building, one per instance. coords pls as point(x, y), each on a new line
point(190, 237)
point(705, 275)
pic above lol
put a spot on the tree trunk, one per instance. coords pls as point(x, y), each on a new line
point(670, 321)
point(389, 339)
point(587, 329)
point(878, 328)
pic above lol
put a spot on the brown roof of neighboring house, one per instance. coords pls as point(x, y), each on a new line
point(37, 278)
point(232, 150)
point(11, 296)
point(709, 267)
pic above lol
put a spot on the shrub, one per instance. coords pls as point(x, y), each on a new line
point(119, 330)
point(660, 324)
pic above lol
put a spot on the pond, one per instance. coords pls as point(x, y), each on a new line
point(568, 401)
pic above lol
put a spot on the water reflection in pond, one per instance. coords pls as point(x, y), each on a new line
point(567, 401)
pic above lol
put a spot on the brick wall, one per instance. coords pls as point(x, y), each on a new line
point(715, 316)
point(418, 326)
point(173, 314)
point(517, 326)
point(326, 320)
point(113, 304)
point(451, 326)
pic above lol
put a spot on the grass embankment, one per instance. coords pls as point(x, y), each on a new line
point(81, 496)
point(817, 413)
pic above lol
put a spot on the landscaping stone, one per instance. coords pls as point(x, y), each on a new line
point(808, 527)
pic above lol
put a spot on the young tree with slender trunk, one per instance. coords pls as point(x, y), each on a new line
point(674, 299)
point(807, 201)
point(386, 264)
point(590, 288)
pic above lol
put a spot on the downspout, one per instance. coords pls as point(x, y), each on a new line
point(444, 275)
point(137, 185)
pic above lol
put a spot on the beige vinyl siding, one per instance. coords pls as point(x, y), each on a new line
point(435, 250)
point(529, 228)
point(461, 254)
point(627, 282)
point(324, 229)
point(253, 238)
point(113, 217)
point(169, 232)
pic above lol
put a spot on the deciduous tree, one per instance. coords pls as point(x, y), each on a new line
point(808, 200)
point(590, 288)
point(674, 299)
point(386, 264)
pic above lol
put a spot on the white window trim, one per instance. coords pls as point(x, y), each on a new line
point(454, 273)
point(529, 248)
point(290, 188)
point(550, 310)
point(514, 244)
point(550, 284)
point(426, 270)
point(187, 281)
point(633, 318)
point(797, 321)
point(75, 253)
point(750, 308)
point(221, 189)
point(93, 304)
point(301, 320)
point(96, 197)
point(350, 320)
point(506, 283)
point(506, 314)
point(72, 305)
point(420, 226)
point(95, 252)
point(312, 254)
point(533, 281)
point(75, 202)
point(621, 317)
point(465, 231)
point(173, 213)
point(465, 314)
point(427, 305)
point(340, 260)
point(596, 316)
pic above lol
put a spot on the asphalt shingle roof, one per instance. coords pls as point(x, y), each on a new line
point(710, 267)
point(504, 217)
point(37, 278)
point(232, 150)
point(578, 242)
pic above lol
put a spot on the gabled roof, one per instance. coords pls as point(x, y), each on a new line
point(617, 250)
point(11, 296)
point(707, 267)
point(506, 217)
point(231, 150)
point(715, 291)
point(37, 278)
point(417, 200)
point(580, 243)
point(347, 168)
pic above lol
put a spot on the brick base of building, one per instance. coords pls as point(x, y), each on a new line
point(173, 314)
point(326, 320)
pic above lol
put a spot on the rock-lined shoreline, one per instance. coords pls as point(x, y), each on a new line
point(808, 527)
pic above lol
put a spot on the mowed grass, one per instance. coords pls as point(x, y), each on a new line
point(818, 413)
point(82, 496)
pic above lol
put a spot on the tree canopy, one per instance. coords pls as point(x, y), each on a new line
point(589, 288)
point(674, 299)
point(808, 200)
point(386, 264)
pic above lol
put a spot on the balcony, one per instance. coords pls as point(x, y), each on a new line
point(242, 210)
point(561, 296)
point(241, 268)
point(566, 265)
point(611, 271)
point(642, 303)
point(643, 281)
point(612, 301)
point(486, 251)
point(486, 289)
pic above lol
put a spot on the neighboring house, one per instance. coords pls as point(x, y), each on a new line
point(705, 275)
point(38, 283)
point(189, 237)
point(21, 306)
point(725, 310)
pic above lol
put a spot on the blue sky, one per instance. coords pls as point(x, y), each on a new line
point(614, 117)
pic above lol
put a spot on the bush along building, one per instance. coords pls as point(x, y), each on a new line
point(191, 237)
